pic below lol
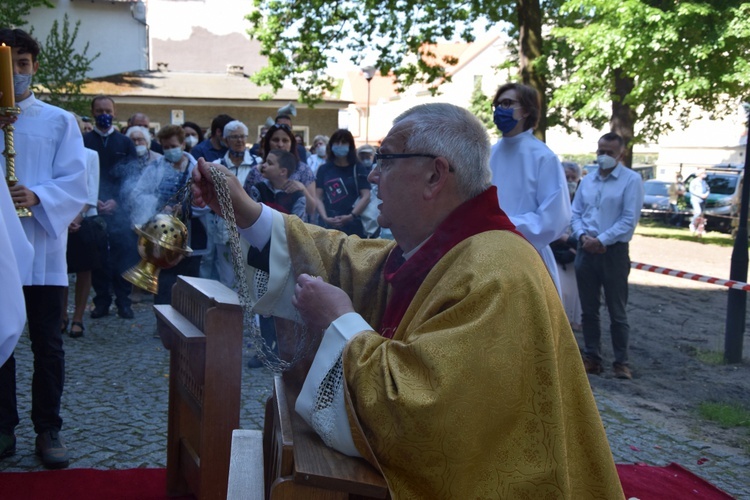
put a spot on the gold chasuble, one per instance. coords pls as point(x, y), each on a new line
point(480, 392)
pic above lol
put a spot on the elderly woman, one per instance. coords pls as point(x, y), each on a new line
point(344, 191)
point(242, 163)
point(319, 146)
point(141, 137)
point(157, 190)
point(280, 136)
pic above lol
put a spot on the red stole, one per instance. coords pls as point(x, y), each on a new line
point(477, 215)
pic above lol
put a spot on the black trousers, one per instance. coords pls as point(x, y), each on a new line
point(189, 266)
point(609, 272)
point(44, 310)
point(118, 250)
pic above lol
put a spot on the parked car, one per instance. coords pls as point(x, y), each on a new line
point(722, 203)
point(656, 199)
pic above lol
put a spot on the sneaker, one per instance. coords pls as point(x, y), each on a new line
point(52, 450)
point(592, 366)
point(7, 445)
point(622, 371)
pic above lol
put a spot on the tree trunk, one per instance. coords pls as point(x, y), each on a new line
point(623, 116)
point(530, 45)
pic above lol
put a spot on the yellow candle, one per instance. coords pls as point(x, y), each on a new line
point(8, 100)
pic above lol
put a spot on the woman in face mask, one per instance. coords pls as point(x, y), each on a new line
point(531, 185)
point(141, 137)
point(343, 189)
point(157, 192)
point(280, 136)
point(318, 156)
point(193, 135)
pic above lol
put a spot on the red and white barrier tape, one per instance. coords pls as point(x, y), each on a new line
point(737, 285)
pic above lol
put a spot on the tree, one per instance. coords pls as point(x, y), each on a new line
point(14, 12)
point(62, 70)
point(649, 60)
point(481, 106)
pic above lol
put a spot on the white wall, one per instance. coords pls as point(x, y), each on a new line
point(108, 27)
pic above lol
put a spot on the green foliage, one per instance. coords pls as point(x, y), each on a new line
point(14, 12)
point(481, 106)
point(300, 39)
point(726, 415)
point(676, 54)
point(62, 70)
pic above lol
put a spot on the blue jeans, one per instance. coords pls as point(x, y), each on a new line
point(609, 272)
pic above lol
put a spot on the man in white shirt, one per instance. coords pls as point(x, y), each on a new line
point(531, 185)
point(606, 210)
point(51, 170)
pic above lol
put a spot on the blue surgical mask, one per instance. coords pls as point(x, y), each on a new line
point(21, 83)
point(104, 121)
point(367, 163)
point(340, 151)
point(606, 162)
point(504, 120)
point(141, 150)
point(173, 154)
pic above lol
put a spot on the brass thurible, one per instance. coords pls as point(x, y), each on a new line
point(162, 243)
point(10, 156)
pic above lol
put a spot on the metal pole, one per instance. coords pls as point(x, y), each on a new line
point(367, 127)
point(737, 300)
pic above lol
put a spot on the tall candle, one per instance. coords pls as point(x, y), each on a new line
point(8, 100)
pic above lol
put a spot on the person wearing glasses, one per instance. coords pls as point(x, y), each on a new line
point(446, 357)
point(343, 188)
point(530, 180)
point(241, 163)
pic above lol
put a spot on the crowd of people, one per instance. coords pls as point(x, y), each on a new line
point(464, 303)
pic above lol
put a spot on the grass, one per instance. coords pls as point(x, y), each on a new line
point(710, 357)
point(656, 229)
point(726, 415)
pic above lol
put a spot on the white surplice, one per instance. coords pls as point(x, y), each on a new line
point(532, 191)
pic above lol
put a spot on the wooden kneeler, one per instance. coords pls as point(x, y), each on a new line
point(297, 463)
point(202, 329)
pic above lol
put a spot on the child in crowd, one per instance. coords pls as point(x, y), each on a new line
point(276, 189)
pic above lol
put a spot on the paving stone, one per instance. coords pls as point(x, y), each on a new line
point(115, 409)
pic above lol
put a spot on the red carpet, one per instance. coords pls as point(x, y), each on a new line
point(86, 484)
point(644, 482)
point(672, 482)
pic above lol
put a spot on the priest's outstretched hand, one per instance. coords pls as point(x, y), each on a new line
point(319, 303)
point(246, 210)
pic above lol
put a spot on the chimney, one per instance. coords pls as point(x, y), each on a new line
point(235, 69)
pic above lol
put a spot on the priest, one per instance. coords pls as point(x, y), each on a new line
point(446, 358)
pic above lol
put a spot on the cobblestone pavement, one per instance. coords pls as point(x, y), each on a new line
point(115, 409)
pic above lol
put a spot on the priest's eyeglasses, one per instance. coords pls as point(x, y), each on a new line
point(383, 161)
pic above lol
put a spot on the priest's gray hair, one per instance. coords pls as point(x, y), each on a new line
point(457, 135)
point(234, 125)
point(142, 130)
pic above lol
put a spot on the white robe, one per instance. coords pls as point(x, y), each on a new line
point(50, 161)
point(16, 254)
point(532, 191)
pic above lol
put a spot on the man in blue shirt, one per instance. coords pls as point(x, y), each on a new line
point(213, 148)
point(605, 211)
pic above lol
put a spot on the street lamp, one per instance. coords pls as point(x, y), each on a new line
point(369, 72)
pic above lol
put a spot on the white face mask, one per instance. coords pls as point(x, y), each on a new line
point(191, 140)
point(606, 162)
point(141, 150)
